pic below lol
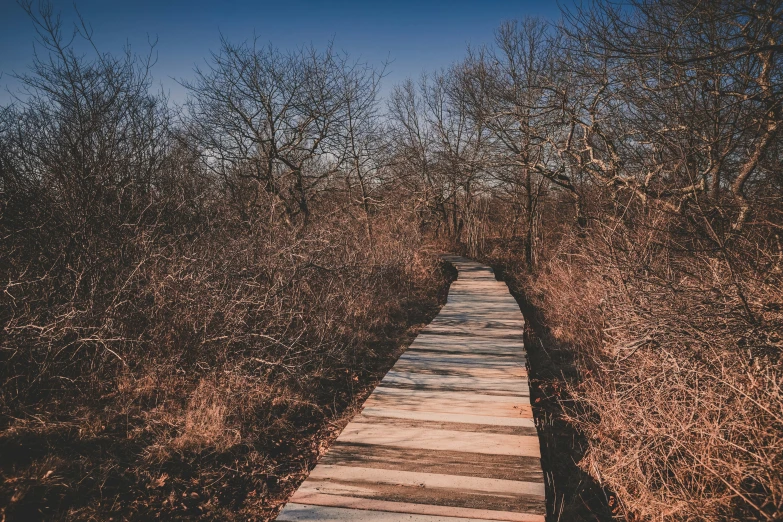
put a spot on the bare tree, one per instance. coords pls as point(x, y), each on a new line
point(433, 122)
point(360, 141)
point(700, 88)
point(264, 116)
point(412, 142)
point(510, 91)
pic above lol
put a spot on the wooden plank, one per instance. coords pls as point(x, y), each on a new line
point(428, 461)
point(470, 349)
point(413, 379)
point(463, 370)
point(514, 410)
point(363, 509)
point(295, 512)
point(383, 434)
point(474, 361)
point(486, 420)
point(464, 397)
point(427, 480)
point(496, 425)
point(453, 498)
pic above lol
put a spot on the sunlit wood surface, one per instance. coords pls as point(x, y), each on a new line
point(448, 435)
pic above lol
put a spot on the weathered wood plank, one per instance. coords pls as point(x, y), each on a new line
point(427, 480)
point(384, 434)
point(428, 461)
point(461, 370)
point(514, 410)
point(485, 420)
point(445, 382)
point(378, 511)
point(431, 421)
point(469, 397)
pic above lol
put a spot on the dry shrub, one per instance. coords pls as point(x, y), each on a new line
point(219, 361)
point(679, 357)
point(234, 349)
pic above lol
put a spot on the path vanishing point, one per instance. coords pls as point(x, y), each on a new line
point(448, 434)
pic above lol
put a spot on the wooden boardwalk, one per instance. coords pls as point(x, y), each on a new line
point(448, 434)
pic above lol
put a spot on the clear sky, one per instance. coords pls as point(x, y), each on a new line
point(414, 35)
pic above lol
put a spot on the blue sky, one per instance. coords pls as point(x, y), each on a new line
point(415, 35)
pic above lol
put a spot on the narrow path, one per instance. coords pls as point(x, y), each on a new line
point(448, 434)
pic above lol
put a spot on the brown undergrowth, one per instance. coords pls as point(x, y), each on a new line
point(205, 377)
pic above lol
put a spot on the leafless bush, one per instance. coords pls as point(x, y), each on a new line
point(680, 396)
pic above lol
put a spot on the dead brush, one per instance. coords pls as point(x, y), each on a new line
point(680, 390)
point(218, 363)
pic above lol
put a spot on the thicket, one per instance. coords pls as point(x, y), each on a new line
point(191, 296)
point(191, 300)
